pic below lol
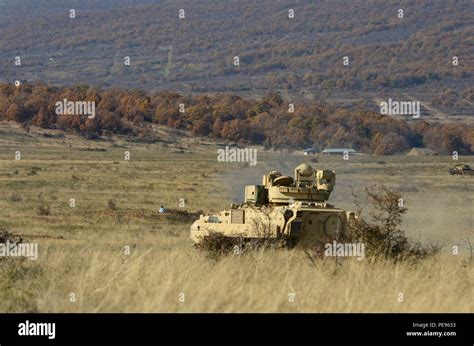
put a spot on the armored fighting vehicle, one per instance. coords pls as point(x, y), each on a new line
point(461, 169)
point(294, 210)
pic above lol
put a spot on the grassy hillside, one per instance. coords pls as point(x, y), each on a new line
point(302, 56)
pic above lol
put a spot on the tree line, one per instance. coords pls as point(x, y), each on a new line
point(268, 121)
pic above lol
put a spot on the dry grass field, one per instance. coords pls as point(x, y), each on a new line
point(83, 249)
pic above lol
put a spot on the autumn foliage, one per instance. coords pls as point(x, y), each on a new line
point(266, 121)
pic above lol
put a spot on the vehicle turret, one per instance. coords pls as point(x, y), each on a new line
point(308, 185)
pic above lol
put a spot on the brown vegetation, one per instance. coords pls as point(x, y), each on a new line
point(231, 118)
point(381, 232)
point(196, 54)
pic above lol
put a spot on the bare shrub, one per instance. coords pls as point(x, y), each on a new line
point(7, 236)
point(33, 170)
point(15, 197)
point(16, 274)
point(44, 210)
point(262, 224)
point(217, 245)
point(111, 204)
point(381, 232)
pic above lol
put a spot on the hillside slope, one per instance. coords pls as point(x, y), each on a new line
point(301, 57)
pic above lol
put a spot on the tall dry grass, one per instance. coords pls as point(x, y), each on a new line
point(151, 280)
point(88, 257)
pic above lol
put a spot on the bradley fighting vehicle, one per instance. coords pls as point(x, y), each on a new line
point(294, 210)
